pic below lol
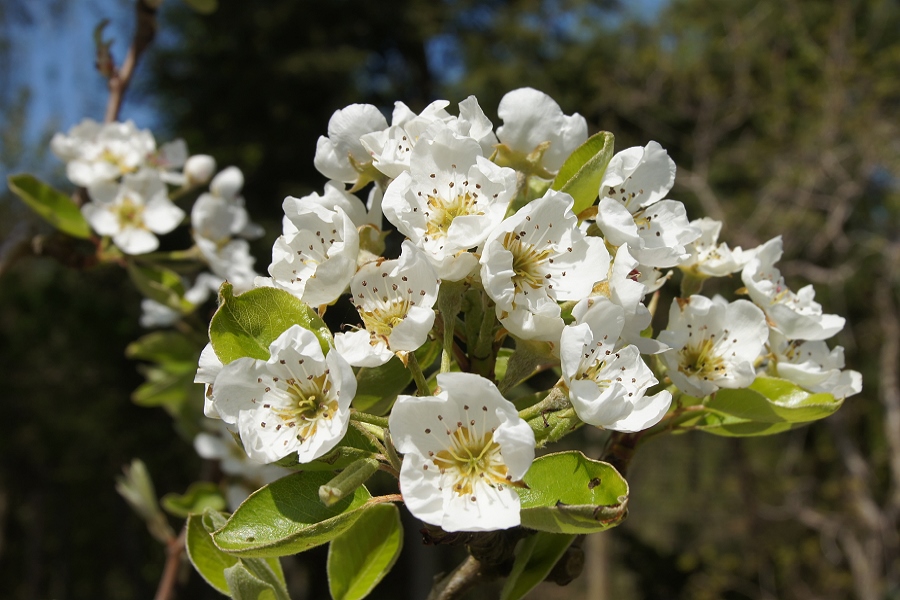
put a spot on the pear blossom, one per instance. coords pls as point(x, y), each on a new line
point(535, 258)
point(632, 210)
point(707, 257)
point(464, 449)
point(796, 315)
point(390, 148)
point(220, 214)
point(534, 124)
point(334, 195)
point(811, 365)
point(341, 156)
point(132, 211)
point(199, 169)
point(297, 401)
point(395, 300)
point(317, 261)
point(96, 152)
point(230, 262)
point(714, 344)
point(608, 382)
point(208, 368)
point(449, 200)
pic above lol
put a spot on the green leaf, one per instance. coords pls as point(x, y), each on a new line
point(164, 347)
point(536, 557)
point(160, 284)
point(580, 175)
point(570, 493)
point(55, 207)
point(245, 583)
point(360, 557)
point(377, 384)
point(286, 517)
point(200, 495)
point(204, 7)
point(769, 406)
point(210, 562)
point(164, 388)
point(246, 325)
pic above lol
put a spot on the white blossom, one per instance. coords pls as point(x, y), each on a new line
point(395, 300)
point(297, 401)
point(464, 450)
point(96, 152)
point(714, 344)
point(220, 214)
point(132, 211)
point(811, 365)
point(449, 200)
point(318, 260)
point(535, 258)
point(796, 315)
point(533, 121)
point(632, 210)
point(709, 258)
point(608, 382)
point(340, 156)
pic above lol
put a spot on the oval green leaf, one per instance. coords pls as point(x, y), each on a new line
point(286, 517)
point(359, 558)
point(536, 557)
point(200, 495)
point(246, 584)
point(246, 325)
point(571, 493)
point(769, 406)
point(55, 207)
point(580, 175)
point(160, 284)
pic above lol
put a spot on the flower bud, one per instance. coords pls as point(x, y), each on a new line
point(199, 169)
point(228, 183)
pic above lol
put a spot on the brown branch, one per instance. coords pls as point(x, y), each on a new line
point(174, 551)
point(463, 578)
point(144, 32)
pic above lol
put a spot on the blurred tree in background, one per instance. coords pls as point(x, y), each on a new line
point(781, 117)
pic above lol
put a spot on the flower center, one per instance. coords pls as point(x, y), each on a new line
point(442, 212)
point(701, 360)
point(309, 403)
point(381, 320)
point(527, 262)
point(470, 457)
point(117, 160)
point(130, 214)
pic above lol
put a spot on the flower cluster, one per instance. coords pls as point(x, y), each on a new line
point(481, 210)
point(131, 184)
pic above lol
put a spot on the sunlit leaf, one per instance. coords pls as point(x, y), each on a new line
point(361, 556)
point(55, 207)
point(580, 175)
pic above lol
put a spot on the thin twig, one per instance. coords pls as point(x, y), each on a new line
point(144, 32)
point(174, 551)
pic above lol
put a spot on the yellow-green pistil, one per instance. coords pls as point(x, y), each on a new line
point(527, 262)
point(700, 360)
point(382, 320)
point(442, 212)
point(470, 457)
point(309, 403)
point(130, 213)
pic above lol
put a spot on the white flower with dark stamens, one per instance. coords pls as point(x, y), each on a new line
point(208, 368)
point(335, 195)
point(97, 152)
point(535, 258)
point(797, 315)
point(316, 262)
point(714, 344)
point(449, 200)
point(608, 383)
point(812, 366)
point(625, 288)
point(341, 156)
point(534, 122)
point(464, 451)
point(391, 148)
point(631, 210)
point(709, 258)
point(395, 300)
point(232, 262)
point(132, 211)
point(297, 401)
